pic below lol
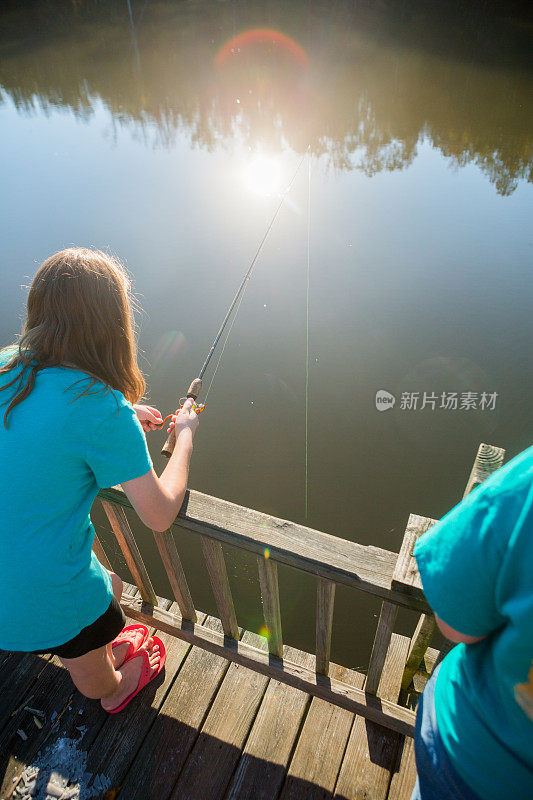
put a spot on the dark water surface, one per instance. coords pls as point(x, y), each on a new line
point(148, 129)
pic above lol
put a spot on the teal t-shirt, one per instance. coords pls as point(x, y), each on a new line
point(54, 456)
point(476, 566)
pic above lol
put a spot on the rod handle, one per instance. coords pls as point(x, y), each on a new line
point(193, 391)
point(195, 388)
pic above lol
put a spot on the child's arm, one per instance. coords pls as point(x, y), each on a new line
point(157, 501)
point(455, 636)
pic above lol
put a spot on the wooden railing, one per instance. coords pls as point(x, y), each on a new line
point(390, 576)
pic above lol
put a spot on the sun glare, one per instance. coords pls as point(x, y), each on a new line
point(263, 176)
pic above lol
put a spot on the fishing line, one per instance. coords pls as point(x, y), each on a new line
point(246, 284)
point(246, 278)
point(307, 335)
point(224, 345)
point(196, 385)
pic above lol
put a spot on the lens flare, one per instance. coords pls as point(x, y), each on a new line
point(261, 37)
point(263, 176)
point(168, 348)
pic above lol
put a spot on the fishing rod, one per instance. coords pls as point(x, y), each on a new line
point(196, 385)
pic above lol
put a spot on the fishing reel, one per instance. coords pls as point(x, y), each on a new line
point(198, 407)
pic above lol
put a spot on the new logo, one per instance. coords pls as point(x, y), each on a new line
point(384, 400)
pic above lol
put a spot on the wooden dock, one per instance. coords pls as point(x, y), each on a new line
point(234, 715)
point(207, 729)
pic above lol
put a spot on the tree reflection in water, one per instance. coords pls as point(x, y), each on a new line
point(361, 83)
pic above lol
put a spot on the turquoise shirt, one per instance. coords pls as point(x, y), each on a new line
point(54, 456)
point(476, 567)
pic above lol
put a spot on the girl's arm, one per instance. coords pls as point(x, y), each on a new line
point(455, 636)
point(157, 501)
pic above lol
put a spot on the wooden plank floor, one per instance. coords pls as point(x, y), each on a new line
point(204, 730)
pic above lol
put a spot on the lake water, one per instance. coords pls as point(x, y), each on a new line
point(165, 131)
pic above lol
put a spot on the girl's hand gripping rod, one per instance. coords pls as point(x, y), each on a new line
point(194, 390)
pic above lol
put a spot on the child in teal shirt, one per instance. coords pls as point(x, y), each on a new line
point(68, 394)
point(474, 739)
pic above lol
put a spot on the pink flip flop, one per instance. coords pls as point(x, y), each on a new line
point(145, 672)
point(127, 636)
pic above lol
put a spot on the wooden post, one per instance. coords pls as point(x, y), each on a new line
point(380, 647)
point(216, 566)
point(445, 649)
point(174, 569)
point(128, 545)
point(404, 567)
point(406, 573)
point(101, 554)
point(325, 598)
point(420, 642)
point(488, 459)
point(387, 617)
point(268, 578)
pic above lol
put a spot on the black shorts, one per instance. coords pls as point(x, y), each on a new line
point(99, 633)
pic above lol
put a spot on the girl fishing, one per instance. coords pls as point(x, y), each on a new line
point(68, 395)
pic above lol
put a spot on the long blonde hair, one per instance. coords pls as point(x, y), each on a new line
point(79, 314)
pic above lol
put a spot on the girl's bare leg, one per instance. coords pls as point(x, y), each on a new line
point(118, 653)
point(117, 584)
point(94, 673)
point(95, 676)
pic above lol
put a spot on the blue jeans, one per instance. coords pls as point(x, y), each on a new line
point(437, 778)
